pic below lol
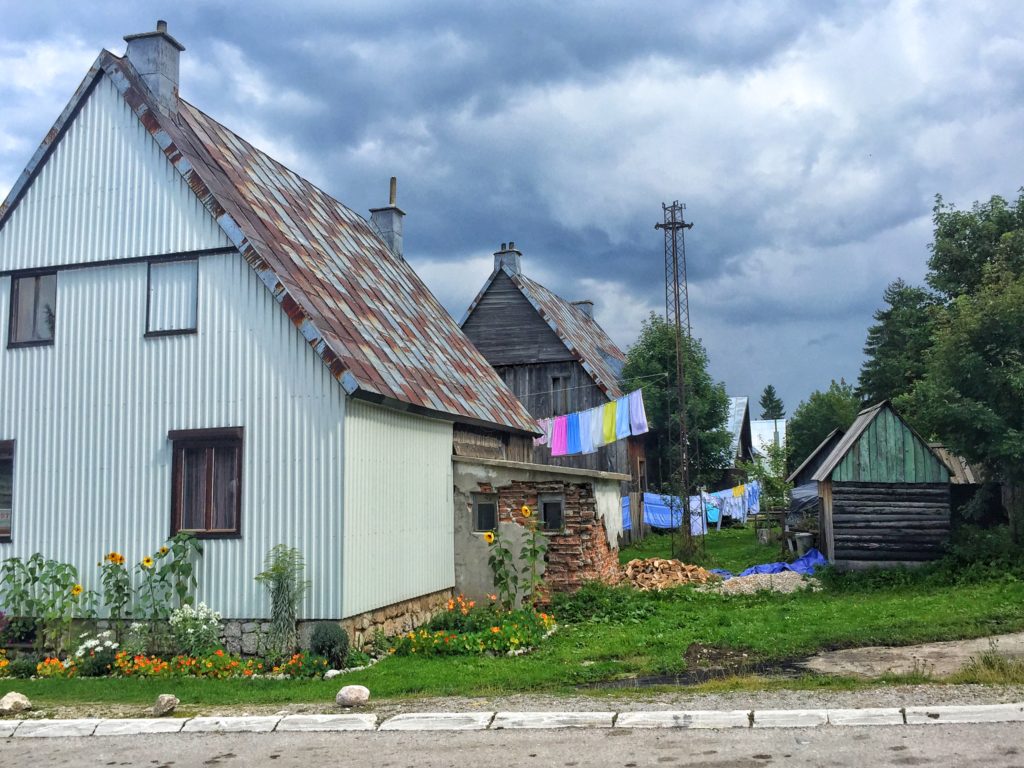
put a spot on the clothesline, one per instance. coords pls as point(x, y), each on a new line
point(544, 392)
point(665, 511)
point(583, 432)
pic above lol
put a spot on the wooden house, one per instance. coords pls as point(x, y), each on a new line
point(884, 494)
point(804, 474)
point(554, 356)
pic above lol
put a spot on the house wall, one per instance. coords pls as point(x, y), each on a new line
point(586, 550)
point(91, 414)
point(398, 540)
point(881, 524)
point(106, 192)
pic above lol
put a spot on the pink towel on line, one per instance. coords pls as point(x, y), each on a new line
point(560, 436)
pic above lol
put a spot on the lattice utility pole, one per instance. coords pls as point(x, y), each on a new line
point(677, 314)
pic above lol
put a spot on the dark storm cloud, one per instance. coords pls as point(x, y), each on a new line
point(807, 139)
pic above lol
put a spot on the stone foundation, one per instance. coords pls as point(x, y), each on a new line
point(244, 636)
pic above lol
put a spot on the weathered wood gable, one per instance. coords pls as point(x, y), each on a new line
point(888, 451)
point(508, 330)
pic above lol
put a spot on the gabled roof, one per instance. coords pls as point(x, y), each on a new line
point(364, 311)
point(826, 444)
point(858, 428)
point(739, 414)
point(582, 336)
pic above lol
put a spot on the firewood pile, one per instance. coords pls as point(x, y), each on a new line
point(656, 573)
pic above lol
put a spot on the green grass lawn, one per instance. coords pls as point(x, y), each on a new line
point(609, 633)
point(734, 549)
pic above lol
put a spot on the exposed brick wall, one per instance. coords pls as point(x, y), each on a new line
point(581, 551)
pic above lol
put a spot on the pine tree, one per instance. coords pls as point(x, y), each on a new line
point(772, 406)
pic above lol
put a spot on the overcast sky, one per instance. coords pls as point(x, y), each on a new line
point(808, 141)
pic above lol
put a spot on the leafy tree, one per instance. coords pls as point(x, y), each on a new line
point(966, 242)
point(771, 404)
point(822, 412)
point(897, 343)
point(972, 394)
point(651, 364)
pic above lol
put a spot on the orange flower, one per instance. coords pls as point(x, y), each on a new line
point(495, 630)
point(218, 652)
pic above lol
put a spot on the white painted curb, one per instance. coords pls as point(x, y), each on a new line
point(481, 721)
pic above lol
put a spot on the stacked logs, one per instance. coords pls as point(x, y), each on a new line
point(656, 573)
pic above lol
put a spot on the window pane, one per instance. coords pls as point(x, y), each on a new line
point(172, 296)
point(6, 494)
point(225, 488)
point(551, 514)
point(35, 308)
point(486, 516)
point(193, 490)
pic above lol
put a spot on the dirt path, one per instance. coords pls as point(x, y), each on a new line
point(937, 659)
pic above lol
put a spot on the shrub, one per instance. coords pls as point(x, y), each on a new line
point(282, 576)
point(95, 656)
point(194, 631)
point(51, 667)
point(4, 663)
point(331, 641)
point(22, 667)
point(599, 603)
point(302, 665)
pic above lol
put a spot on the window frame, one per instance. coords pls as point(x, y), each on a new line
point(484, 498)
point(7, 451)
point(549, 498)
point(15, 296)
point(149, 334)
point(222, 437)
point(560, 394)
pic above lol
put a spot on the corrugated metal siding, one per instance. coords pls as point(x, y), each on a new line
point(172, 295)
point(91, 415)
point(106, 192)
point(887, 451)
point(399, 526)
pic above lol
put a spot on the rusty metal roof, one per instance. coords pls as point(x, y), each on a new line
point(365, 311)
point(581, 334)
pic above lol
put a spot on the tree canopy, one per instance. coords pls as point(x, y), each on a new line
point(771, 404)
point(818, 415)
point(651, 364)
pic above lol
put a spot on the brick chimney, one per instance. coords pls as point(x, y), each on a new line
point(154, 55)
point(387, 222)
point(507, 256)
point(586, 306)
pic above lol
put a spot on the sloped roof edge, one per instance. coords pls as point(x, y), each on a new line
point(815, 452)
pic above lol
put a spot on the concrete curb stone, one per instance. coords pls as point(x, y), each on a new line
point(438, 721)
point(866, 716)
point(738, 718)
point(8, 727)
point(553, 720)
point(789, 718)
point(231, 724)
point(977, 713)
point(55, 728)
point(356, 722)
point(138, 726)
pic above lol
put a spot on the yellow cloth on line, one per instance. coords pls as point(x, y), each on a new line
point(608, 419)
point(738, 491)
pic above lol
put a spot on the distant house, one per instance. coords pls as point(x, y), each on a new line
point(553, 355)
point(201, 340)
point(885, 495)
point(741, 444)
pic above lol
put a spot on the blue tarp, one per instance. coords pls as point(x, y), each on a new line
point(804, 565)
point(627, 520)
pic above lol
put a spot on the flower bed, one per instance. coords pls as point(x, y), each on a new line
point(465, 629)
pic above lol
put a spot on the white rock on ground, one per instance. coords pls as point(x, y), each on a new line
point(330, 674)
point(12, 703)
point(165, 704)
point(352, 696)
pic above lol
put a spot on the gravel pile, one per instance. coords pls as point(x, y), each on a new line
point(787, 581)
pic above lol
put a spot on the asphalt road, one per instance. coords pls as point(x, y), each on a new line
point(988, 745)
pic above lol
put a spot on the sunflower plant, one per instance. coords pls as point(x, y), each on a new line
point(116, 590)
point(531, 554)
point(503, 567)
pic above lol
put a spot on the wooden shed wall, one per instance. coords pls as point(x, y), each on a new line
point(806, 474)
point(507, 329)
point(889, 452)
point(873, 524)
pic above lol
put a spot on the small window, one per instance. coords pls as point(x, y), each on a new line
point(641, 472)
point(485, 512)
point(559, 395)
point(33, 310)
point(552, 513)
point(172, 298)
point(6, 488)
point(206, 494)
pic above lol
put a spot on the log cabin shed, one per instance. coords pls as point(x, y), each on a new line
point(884, 494)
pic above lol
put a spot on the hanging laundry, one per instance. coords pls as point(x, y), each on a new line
point(573, 431)
point(738, 491)
point(754, 497)
point(622, 417)
point(637, 415)
point(545, 428)
point(587, 431)
point(609, 422)
point(559, 436)
point(597, 426)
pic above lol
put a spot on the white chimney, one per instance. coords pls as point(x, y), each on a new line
point(388, 221)
point(154, 55)
point(507, 256)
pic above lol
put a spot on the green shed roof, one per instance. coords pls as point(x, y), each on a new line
point(880, 447)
